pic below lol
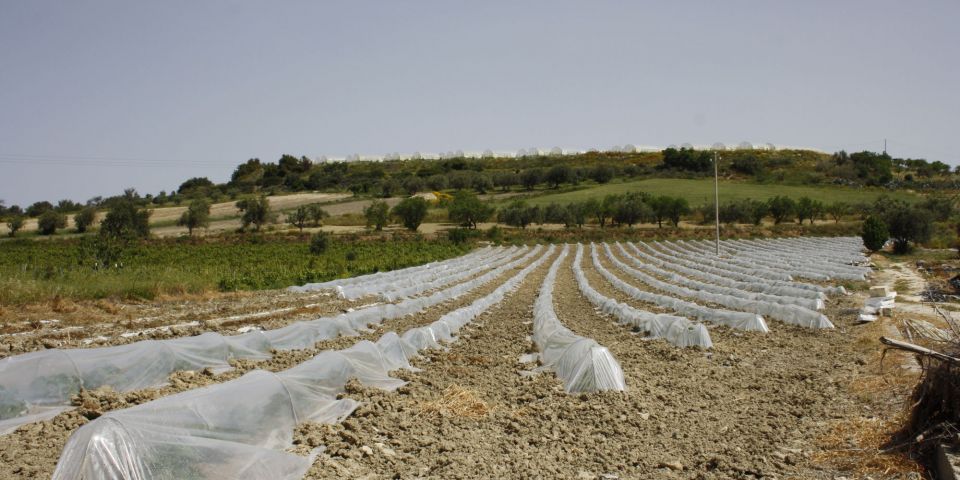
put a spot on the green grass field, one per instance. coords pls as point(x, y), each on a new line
point(33, 271)
point(700, 191)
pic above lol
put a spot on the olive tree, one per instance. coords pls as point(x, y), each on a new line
point(411, 212)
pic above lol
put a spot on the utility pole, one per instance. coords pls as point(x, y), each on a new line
point(716, 196)
point(884, 146)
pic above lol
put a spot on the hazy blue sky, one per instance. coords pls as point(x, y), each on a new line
point(98, 96)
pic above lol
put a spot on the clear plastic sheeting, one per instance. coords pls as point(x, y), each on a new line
point(677, 330)
point(392, 275)
point(38, 385)
point(728, 297)
point(411, 285)
point(709, 263)
point(719, 277)
point(581, 363)
point(240, 429)
point(738, 320)
point(687, 276)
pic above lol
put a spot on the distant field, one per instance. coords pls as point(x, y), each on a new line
point(700, 191)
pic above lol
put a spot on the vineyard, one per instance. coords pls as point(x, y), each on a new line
point(605, 360)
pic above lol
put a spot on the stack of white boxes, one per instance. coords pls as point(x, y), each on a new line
point(882, 300)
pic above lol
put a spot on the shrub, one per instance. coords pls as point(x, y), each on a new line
point(14, 224)
point(319, 243)
point(874, 233)
point(84, 218)
point(50, 221)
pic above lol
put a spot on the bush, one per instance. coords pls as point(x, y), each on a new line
point(84, 218)
point(14, 224)
point(317, 214)
point(319, 243)
point(50, 221)
point(460, 236)
point(874, 233)
point(411, 212)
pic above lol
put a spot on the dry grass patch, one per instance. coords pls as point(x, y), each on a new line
point(457, 401)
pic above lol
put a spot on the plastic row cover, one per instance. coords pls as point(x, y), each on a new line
point(738, 320)
point(414, 284)
point(444, 328)
point(677, 330)
point(781, 264)
point(811, 260)
point(712, 275)
point(731, 298)
point(845, 250)
point(240, 429)
point(413, 287)
point(807, 264)
point(38, 385)
point(695, 251)
point(709, 263)
point(686, 276)
point(388, 276)
point(581, 363)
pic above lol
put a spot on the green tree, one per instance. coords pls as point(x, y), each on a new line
point(256, 212)
point(559, 174)
point(577, 213)
point(125, 219)
point(531, 177)
point(909, 224)
point(518, 214)
point(317, 214)
point(84, 218)
point(377, 214)
point(677, 207)
point(197, 215)
point(299, 217)
point(466, 209)
point(837, 210)
point(756, 210)
point(807, 209)
point(874, 233)
point(14, 224)
point(505, 180)
point(602, 173)
point(632, 209)
point(50, 221)
point(412, 185)
point(411, 211)
point(781, 208)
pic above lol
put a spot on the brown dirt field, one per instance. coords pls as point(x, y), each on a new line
point(793, 403)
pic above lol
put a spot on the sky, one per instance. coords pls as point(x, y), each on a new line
point(98, 96)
